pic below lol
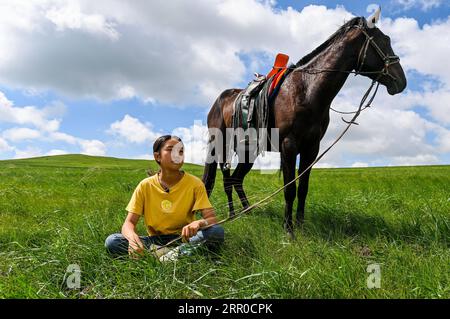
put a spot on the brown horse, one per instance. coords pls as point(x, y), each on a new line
point(301, 109)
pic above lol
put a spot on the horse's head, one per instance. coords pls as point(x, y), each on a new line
point(377, 60)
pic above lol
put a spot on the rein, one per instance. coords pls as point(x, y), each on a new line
point(388, 61)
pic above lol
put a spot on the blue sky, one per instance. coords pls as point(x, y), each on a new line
point(113, 76)
point(391, 8)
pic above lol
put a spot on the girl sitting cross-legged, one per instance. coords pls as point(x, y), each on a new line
point(168, 201)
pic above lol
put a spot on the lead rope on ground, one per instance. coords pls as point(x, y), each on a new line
point(349, 123)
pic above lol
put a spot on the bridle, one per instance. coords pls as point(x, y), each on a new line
point(388, 60)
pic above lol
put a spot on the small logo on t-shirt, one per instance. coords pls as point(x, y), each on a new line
point(166, 205)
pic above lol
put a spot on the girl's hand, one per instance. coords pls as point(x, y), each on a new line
point(135, 251)
point(192, 229)
point(135, 246)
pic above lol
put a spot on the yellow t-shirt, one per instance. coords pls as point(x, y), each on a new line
point(167, 213)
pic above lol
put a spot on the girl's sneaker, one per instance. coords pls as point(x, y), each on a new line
point(171, 255)
point(157, 251)
point(182, 250)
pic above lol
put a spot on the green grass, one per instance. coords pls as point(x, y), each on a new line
point(56, 211)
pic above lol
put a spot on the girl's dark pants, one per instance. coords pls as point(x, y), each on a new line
point(212, 238)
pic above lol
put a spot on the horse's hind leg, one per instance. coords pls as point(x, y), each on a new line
point(228, 187)
point(239, 173)
point(288, 156)
point(307, 157)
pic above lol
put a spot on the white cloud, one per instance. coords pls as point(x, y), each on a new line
point(360, 164)
point(172, 52)
point(4, 102)
point(21, 133)
point(424, 5)
point(45, 129)
point(325, 165)
point(88, 147)
point(267, 161)
point(30, 151)
point(93, 147)
point(435, 101)
point(133, 130)
point(56, 152)
point(4, 146)
point(443, 140)
point(68, 15)
point(144, 157)
point(421, 159)
point(421, 48)
point(63, 137)
point(126, 92)
point(29, 115)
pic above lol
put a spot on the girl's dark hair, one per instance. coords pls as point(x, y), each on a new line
point(160, 141)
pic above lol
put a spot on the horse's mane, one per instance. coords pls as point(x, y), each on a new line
point(339, 33)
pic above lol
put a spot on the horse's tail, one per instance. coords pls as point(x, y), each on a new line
point(281, 165)
point(216, 148)
point(209, 174)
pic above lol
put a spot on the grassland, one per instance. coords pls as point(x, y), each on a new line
point(56, 211)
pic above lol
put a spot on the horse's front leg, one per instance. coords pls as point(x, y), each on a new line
point(307, 157)
point(288, 158)
point(238, 180)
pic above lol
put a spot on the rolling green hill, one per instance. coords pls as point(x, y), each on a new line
point(56, 211)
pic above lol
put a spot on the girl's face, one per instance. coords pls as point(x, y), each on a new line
point(171, 155)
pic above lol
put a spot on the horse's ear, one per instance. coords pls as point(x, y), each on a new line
point(373, 19)
point(362, 22)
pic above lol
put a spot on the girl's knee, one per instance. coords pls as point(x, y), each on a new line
point(116, 244)
point(215, 233)
point(110, 240)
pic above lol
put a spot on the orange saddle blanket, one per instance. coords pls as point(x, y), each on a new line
point(278, 70)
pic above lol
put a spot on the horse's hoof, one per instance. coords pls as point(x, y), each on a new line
point(289, 232)
point(299, 223)
point(290, 236)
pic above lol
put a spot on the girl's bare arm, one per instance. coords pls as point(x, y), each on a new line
point(129, 232)
point(209, 217)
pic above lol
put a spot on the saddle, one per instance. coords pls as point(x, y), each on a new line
point(251, 107)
